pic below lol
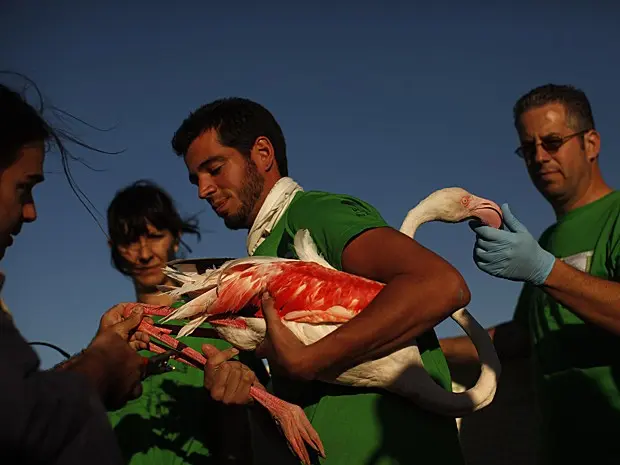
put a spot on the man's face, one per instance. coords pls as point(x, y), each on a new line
point(228, 180)
point(16, 200)
point(563, 170)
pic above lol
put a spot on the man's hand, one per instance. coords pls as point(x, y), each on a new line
point(227, 381)
point(511, 253)
point(281, 347)
point(137, 339)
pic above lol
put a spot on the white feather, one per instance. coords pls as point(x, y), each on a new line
point(306, 249)
point(189, 328)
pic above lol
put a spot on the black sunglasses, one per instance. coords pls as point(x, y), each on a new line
point(551, 144)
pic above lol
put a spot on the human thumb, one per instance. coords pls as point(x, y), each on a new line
point(124, 327)
point(209, 350)
point(511, 221)
point(269, 310)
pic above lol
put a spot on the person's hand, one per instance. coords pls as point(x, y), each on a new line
point(285, 352)
point(137, 339)
point(511, 253)
point(113, 365)
point(228, 381)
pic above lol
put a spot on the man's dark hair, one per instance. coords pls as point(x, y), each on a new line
point(238, 123)
point(578, 110)
point(137, 205)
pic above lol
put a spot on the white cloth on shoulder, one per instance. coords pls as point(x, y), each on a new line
point(276, 203)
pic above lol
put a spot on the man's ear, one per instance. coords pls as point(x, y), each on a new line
point(592, 145)
point(263, 154)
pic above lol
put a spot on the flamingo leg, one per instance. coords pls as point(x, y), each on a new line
point(289, 417)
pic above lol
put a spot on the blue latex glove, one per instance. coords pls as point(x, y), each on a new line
point(511, 252)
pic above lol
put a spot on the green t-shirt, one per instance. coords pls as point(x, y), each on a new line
point(356, 425)
point(576, 363)
point(175, 421)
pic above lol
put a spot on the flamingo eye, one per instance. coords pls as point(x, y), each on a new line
point(465, 201)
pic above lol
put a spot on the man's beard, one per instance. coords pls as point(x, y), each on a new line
point(248, 196)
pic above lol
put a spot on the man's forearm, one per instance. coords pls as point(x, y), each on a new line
point(403, 310)
point(509, 338)
point(460, 349)
point(594, 299)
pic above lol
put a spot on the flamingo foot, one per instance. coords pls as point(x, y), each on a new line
point(290, 417)
point(293, 422)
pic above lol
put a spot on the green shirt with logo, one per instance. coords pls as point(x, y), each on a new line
point(357, 425)
point(577, 363)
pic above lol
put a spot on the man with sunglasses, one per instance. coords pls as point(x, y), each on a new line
point(568, 312)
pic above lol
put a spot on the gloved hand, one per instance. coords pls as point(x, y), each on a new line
point(511, 253)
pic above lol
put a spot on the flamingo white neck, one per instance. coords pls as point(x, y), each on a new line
point(415, 218)
point(277, 201)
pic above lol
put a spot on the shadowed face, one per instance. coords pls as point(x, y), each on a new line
point(558, 155)
point(145, 257)
point(16, 200)
point(227, 179)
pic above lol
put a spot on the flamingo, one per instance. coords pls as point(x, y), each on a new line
point(314, 299)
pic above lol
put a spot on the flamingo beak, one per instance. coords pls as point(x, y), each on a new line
point(487, 211)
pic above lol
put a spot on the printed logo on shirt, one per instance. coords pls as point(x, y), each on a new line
point(359, 211)
point(582, 261)
point(355, 208)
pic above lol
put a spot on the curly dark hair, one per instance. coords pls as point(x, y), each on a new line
point(137, 205)
point(238, 123)
point(578, 110)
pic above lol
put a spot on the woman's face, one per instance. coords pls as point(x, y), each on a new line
point(148, 255)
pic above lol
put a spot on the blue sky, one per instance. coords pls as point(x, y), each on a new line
point(386, 103)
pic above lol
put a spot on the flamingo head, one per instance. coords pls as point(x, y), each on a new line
point(452, 205)
point(455, 204)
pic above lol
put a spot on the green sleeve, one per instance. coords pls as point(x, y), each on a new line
point(333, 221)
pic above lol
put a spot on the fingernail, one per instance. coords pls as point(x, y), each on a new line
point(235, 351)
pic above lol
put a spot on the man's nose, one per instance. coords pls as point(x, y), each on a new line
point(206, 187)
point(540, 154)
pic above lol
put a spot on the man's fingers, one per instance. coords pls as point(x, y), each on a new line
point(216, 357)
point(485, 245)
point(140, 336)
point(248, 379)
point(489, 233)
point(218, 386)
point(511, 221)
point(138, 345)
point(209, 350)
point(269, 310)
point(124, 327)
point(232, 384)
point(272, 319)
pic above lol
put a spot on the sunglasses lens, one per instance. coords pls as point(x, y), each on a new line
point(552, 145)
point(526, 150)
